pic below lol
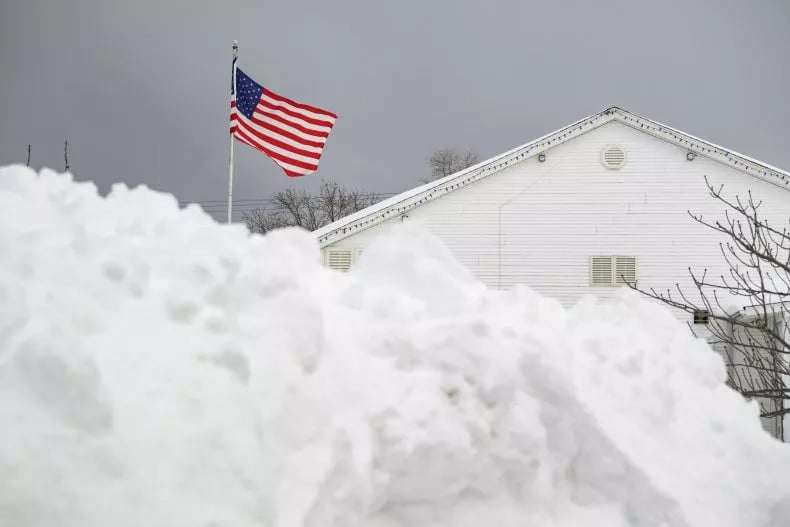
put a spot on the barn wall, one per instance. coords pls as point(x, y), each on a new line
point(538, 223)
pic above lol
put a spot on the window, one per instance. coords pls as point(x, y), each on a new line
point(701, 316)
point(612, 270)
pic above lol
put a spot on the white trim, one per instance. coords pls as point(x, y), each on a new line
point(746, 164)
point(400, 204)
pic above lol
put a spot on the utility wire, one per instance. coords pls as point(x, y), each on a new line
point(268, 203)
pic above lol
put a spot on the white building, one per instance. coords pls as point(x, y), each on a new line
point(571, 211)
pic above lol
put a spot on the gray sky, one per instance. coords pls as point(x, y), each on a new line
point(140, 87)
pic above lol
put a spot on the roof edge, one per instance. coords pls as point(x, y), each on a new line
point(400, 204)
point(744, 163)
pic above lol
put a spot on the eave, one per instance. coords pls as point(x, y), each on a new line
point(402, 203)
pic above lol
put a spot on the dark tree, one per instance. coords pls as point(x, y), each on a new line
point(299, 208)
point(446, 161)
point(753, 336)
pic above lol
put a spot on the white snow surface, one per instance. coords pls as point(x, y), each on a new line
point(160, 369)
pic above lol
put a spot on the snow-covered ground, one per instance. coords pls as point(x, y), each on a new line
point(159, 369)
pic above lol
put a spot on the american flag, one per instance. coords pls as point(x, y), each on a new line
point(291, 133)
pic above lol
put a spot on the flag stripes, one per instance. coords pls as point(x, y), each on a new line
point(292, 166)
point(292, 134)
point(310, 111)
point(278, 109)
point(284, 142)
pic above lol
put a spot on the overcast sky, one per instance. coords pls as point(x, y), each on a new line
point(140, 88)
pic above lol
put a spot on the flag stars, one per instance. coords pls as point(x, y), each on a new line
point(249, 93)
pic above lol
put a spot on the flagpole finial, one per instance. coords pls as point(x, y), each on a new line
point(235, 46)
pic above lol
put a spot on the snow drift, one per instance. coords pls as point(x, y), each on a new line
point(159, 369)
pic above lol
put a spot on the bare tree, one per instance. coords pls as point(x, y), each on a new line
point(747, 310)
point(299, 208)
point(27, 163)
point(296, 206)
point(263, 220)
point(446, 161)
point(336, 201)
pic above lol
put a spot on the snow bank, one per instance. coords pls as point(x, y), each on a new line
point(159, 369)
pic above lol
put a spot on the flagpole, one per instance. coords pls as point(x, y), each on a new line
point(230, 163)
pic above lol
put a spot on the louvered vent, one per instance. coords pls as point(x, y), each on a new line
point(625, 270)
point(339, 260)
point(612, 270)
point(613, 157)
point(601, 270)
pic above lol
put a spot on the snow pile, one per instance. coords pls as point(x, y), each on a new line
point(159, 369)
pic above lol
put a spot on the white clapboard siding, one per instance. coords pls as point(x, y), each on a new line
point(539, 223)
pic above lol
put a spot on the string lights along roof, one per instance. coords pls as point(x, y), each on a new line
point(402, 203)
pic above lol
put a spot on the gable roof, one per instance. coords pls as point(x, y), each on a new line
point(405, 201)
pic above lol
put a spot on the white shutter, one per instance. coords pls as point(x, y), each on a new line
point(625, 270)
point(339, 260)
point(612, 270)
point(600, 270)
point(342, 259)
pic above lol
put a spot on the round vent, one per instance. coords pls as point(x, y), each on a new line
point(613, 157)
